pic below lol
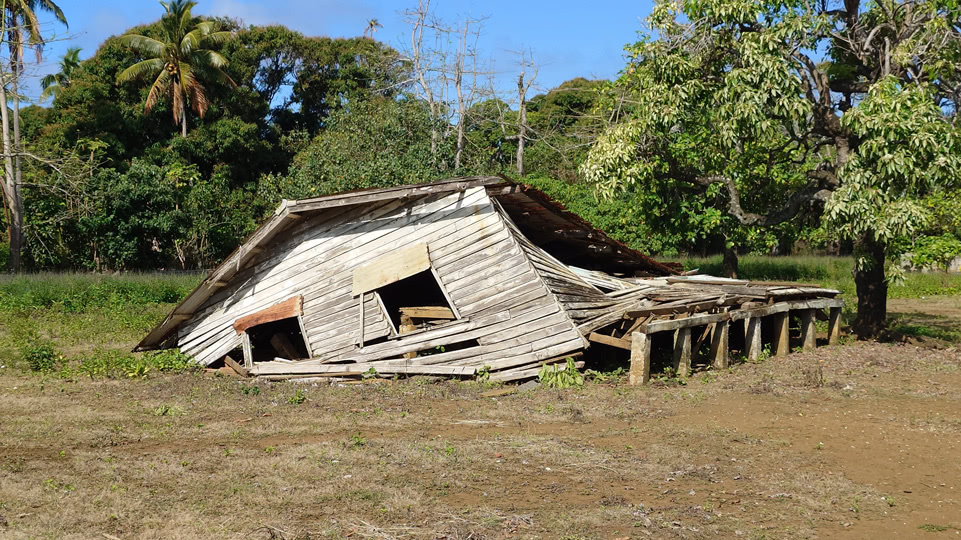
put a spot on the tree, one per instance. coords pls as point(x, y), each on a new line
point(181, 63)
point(21, 28)
point(53, 82)
point(372, 26)
point(730, 99)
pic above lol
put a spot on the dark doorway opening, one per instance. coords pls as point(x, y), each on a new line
point(278, 339)
point(418, 290)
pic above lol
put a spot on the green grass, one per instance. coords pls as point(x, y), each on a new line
point(833, 272)
point(85, 323)
point(78, 293)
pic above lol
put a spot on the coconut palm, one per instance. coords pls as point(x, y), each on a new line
point(179, 64)
point(372, 26)
point(53, 82)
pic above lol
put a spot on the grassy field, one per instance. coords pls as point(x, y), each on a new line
point(852, 441)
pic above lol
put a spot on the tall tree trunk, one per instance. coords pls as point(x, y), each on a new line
point(871, 287)
point(521, 123)
point(11, 190)
point(183, 123)
point(729, 262)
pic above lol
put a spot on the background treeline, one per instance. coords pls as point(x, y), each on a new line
point(311, 116)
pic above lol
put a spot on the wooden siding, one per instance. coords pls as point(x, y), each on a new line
point(504, 304)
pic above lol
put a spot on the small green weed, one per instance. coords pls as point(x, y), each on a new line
point(298, 397)
point(566, 377)
point(250, 390)
point(40, 354)
point(931, 527)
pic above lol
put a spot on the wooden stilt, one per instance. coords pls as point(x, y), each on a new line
point(782, 342)
point(682, 351)
point(807, 329)
point(719, 345)
point(248, 352)
point(834, 325)
point(752, 338)
point(640, 359)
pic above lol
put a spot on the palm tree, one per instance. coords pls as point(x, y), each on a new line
point(180, 62)
point(372, 26)
point(22, 30)
point(53, 82)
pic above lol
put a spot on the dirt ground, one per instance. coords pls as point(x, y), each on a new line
point(861, 440)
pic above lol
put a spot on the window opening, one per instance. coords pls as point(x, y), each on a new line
point(278, 339)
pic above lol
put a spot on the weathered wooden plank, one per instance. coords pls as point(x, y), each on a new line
point(242, 371)
point(834, 325)
point(752, 338)
point(640, 372)
point(719, 345)
point(781, 344)
point(609, 340)
point(427, 312)
point(291, 307)
point(685, 322)
point(394, 266)
point(682, 351)
point(807, 329)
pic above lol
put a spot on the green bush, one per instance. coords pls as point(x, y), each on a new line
point(40, 354)
point(935, 251)
point(4, 256)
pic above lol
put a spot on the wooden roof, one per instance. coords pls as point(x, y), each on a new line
point(546, 222)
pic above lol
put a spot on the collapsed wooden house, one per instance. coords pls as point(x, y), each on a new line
point(460, 277)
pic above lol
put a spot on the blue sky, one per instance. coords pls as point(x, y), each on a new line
point(569, 39)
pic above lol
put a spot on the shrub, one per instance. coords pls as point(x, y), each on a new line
point(935, 251)
point(40, 354)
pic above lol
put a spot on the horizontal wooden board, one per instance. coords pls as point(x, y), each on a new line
point(394, 266)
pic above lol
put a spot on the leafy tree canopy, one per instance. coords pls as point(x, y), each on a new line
point(731, 100)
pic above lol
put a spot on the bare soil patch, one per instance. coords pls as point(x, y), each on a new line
point(866, 446)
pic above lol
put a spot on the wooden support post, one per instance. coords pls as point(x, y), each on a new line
point(807, 329)
point(362, 323)
point(248, 352)
point(682, 352)
point(752, 338)
point(719, 345)
point(640, 359)
point(782, 341)
point(834, 325)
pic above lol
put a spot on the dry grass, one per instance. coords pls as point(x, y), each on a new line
point(759, 451)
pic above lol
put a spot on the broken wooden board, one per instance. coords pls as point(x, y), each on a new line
point(394, 266)
point(290, 307)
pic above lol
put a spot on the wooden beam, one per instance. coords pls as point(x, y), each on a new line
point(685, 322)
point(719, 346)
point(290, 307)
point(391, 267)
point(620, 343)
point(248, 353)
point(782, 345)
point(780, 307)
point(807, 330)
point(752, 338)
point(640, 359)
point(682, 352)
point(834, 325)
point(242, 371)
point(428, 312)
point(281, 343)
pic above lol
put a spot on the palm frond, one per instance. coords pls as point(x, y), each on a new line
point(216, 38)
point(196, 91)
point(49, 6)
point(159, 87)
point(206, 57)
point(50, 90)
point(140, 70)
point(143, 44)
point(48, 80)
